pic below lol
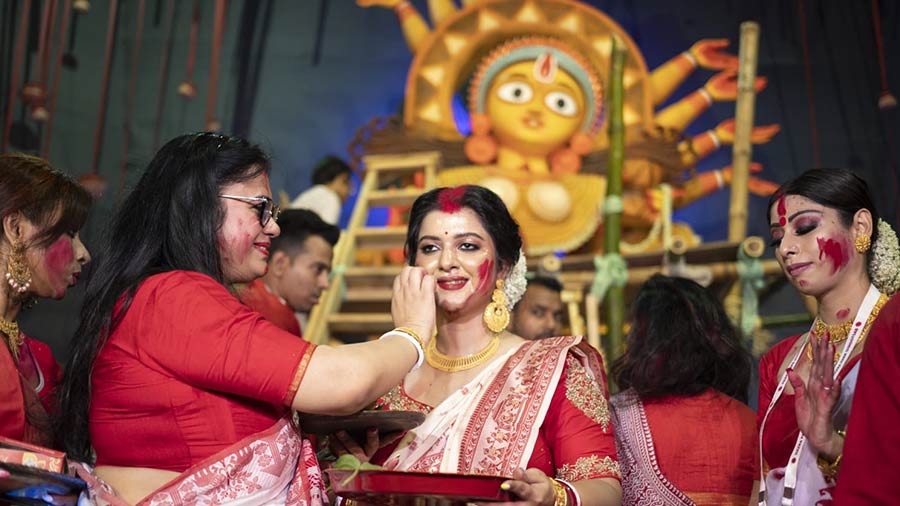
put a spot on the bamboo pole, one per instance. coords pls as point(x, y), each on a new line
point(615, 298)
point(742, 149)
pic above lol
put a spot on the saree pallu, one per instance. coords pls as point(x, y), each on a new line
point(711, 475)
point(490, 425)
point(276, 466)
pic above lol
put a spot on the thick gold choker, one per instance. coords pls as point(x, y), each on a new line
point(447, 363)
point(838, 332)
point(11, 330)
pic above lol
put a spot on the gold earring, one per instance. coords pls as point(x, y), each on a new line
point(17, 274)
point(496, 314)
point(862, 243)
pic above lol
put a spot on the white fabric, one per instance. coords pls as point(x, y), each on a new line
point(322, 200)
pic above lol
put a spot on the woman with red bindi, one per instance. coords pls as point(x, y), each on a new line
point(496, 404)
point(41, 256)
point(831, 246)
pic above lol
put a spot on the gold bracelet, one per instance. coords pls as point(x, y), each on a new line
point(411, 332)
point(830, 468)
point(559, 490)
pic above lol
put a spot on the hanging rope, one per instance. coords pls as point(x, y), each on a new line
point(807, 75)
point(187, 89)
point(164, 71)
point(212, 124)
point(129, 101)
point(51, 97)
point(886, 100)
point(14, 77)
point(39, 107)
point(104, 86)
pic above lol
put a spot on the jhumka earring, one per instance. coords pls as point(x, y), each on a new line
point(496, 314)
point(862, 243)
point(17, 274)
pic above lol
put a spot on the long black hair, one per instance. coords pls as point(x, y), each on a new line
point(491, 211)
point(170, 221)
point(681, 343)
point(838, 189)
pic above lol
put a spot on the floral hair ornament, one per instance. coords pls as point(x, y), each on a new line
point(884, 266)
point(515, 283)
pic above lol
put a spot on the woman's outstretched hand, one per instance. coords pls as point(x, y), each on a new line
point(814, 400)
point(532, 487)
point(413, 305)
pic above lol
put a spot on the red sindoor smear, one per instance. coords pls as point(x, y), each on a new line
point(843, 314)
point(833, 250)
point(782, 211)
point(484, 275)
point(450, 199)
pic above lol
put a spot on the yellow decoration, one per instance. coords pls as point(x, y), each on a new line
point(862, 244)
point(496, 314)
point(447, 363)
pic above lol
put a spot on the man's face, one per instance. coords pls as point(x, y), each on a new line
point(539, 314)
point(302, 280)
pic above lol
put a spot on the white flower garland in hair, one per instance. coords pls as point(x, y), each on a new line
point(884, 269)
point(515, 283)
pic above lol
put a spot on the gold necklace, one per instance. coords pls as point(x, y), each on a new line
point(838, 332)
point(447, 363)
point(13, 337)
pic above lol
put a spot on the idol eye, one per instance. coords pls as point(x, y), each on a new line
point(561, 103)
point(515, 92)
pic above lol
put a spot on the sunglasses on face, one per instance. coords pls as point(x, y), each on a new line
point(267, 207)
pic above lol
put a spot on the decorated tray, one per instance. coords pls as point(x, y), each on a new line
point(32, 482)
point(402, 488)
point(384, 421)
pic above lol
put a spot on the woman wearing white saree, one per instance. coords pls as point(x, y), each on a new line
point(496, 404)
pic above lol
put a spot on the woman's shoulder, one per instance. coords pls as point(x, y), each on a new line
point(780, 350)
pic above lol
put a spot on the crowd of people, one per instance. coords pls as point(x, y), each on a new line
point(188, 362)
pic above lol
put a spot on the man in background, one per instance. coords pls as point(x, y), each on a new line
point(540, 312)
point(299, 266)
point(331, 187)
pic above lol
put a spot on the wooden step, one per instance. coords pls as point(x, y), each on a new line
point(394, 197)
point(379, 277)
point(381, 237)
point(360, 323)
point(368, 294)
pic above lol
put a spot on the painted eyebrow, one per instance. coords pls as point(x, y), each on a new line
point(457, 236)
point(791, 217)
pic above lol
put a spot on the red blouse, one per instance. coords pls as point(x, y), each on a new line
point(13, 422)
point(187, 372)
point(569, 442)
point(781, 427)
point(723, 460)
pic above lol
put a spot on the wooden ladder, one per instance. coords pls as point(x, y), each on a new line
point(358, 302)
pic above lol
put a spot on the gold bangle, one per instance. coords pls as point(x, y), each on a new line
point(559, 491)
point(830, 468)
point(411, 332)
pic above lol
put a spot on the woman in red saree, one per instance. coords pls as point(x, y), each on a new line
point(830, 244)
point(41, 256)
point(497, 404)
point(684, 370)
point(176, 391)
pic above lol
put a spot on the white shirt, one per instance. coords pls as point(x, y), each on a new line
point(322, 200)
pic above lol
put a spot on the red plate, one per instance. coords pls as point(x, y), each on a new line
point(402, 488)
point(384, 421)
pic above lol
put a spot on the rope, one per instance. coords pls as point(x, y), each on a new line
point(610, 270)
point(57, 70)
point(807, 75)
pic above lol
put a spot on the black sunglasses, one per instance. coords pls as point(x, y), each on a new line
point(267, 207)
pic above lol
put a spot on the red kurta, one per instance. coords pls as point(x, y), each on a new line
point(261, 300)
point(870, 467)
point(189, 371)
point(781, 427)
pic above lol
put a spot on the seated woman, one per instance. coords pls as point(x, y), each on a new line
point(831, 246)
point(684, 369)
point(41, 256)
point(182, 392)
point(497, 404)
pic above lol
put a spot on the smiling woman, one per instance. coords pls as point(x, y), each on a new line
point(825, 231)
point(164, 342)
point(41, 256)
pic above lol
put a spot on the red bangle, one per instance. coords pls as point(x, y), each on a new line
point(572, 493)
